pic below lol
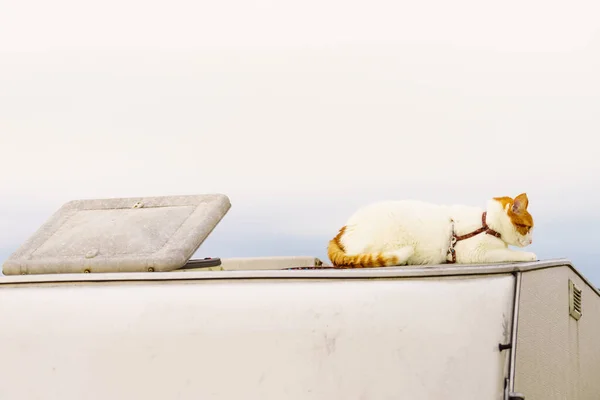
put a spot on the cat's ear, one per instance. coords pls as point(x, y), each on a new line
point(520, 203)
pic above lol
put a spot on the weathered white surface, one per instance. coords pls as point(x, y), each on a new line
point(557, 357)
point(120, 235)
point(421, 338)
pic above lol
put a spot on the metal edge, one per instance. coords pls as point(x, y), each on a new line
point(360, 273)
point(371, 273)
point(514, 328)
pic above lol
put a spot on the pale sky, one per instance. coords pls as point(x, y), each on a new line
point(303, 111)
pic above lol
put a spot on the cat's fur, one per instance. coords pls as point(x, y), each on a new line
point(409, 232)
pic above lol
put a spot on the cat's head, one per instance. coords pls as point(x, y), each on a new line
point(515, 221)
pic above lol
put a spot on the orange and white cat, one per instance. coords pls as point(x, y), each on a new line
point(410, 232)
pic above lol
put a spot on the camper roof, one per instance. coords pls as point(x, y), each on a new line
point(318, 273)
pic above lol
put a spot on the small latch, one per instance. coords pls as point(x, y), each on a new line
point(139, 204)
point(504, 346)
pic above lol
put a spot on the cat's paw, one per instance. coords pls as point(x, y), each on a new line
point(528, 256)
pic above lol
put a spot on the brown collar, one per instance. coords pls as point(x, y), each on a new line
point(455, 238)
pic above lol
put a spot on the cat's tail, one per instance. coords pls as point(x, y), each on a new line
point(339, 258)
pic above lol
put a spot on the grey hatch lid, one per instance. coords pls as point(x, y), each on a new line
point(120, 235)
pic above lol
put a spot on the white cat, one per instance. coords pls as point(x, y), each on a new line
point(409, 232)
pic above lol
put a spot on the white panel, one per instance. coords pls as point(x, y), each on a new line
point(558, 357)
point(275, 339)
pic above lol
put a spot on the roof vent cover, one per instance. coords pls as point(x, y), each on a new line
point(120, 235)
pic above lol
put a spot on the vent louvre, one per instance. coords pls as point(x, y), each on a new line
point(575, 301)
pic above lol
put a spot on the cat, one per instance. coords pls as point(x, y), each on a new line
point(411, 232)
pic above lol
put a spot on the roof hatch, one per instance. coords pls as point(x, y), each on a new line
point(120, 235)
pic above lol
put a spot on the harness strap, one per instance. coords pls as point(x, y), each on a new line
point(455, 238)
